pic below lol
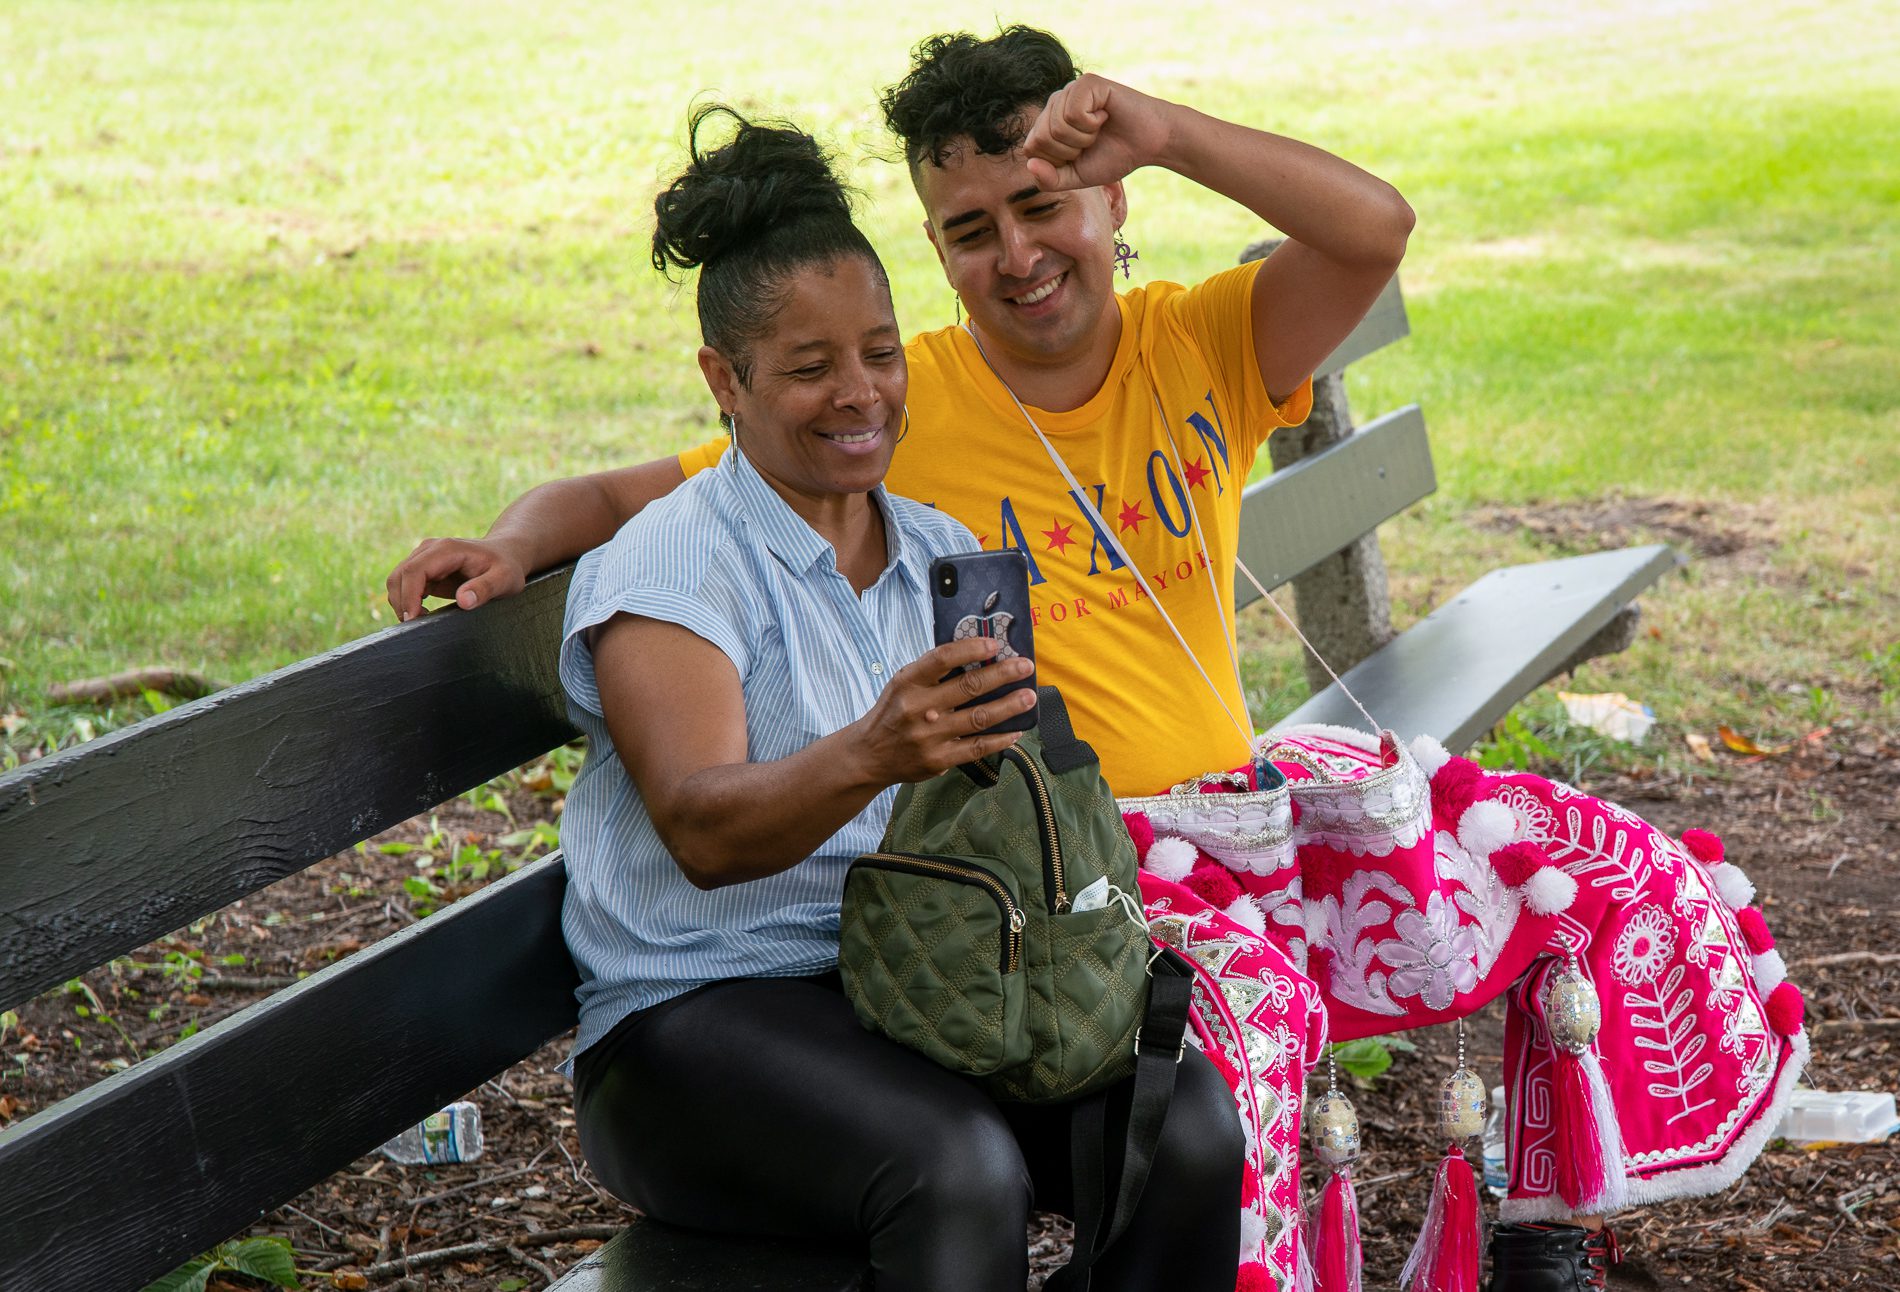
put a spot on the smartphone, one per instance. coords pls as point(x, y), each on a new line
point(986, 594)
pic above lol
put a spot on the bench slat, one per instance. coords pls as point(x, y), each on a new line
point(651, 1257)
point(128, 1179)
point(122, 840)
point(1461, 668)
point(1297, 517)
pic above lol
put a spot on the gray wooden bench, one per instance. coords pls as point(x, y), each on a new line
point(110, 845)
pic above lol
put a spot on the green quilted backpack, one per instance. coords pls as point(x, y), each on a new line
point(961, 937)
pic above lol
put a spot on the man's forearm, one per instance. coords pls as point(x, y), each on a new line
point(563, 519)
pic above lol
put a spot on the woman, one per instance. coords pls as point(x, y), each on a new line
point(750, 660)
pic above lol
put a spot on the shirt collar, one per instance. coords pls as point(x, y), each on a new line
point(794, 542)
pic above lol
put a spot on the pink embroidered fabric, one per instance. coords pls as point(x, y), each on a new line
point(1403, 887)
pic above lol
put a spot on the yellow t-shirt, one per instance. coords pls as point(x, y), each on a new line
point(1131, 691)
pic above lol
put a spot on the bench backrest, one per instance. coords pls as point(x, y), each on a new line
point(107, 846)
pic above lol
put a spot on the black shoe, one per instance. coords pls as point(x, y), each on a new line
point(1551, 1258)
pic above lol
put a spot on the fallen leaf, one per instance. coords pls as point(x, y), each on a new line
point(349, 1280)
point(587, 1245)
point(9, 1105)
point(1699, 746)
point(197, 1000)
point(1745, 745)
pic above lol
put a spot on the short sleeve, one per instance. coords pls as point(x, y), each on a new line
point(702, 456)
point(1218, 313)
point(652, 570)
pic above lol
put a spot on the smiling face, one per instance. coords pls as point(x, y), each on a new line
point(825, 400)
point(1034, 269)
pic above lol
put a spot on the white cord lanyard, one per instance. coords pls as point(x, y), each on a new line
point(1243, 724)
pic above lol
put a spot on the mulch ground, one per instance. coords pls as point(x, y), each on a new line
point(1819, 831)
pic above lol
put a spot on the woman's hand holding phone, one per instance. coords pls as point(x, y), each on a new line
point(916, 729)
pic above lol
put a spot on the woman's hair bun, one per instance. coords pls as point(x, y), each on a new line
point(765, 176)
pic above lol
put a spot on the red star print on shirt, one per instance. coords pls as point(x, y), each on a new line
point(1131, 517)
point(1058, 537)
point(1197, 474)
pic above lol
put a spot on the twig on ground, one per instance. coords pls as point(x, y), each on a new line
point(542, 1268)
point(136, 681)
point(482, 1183)
point(1847, 958)
point(402, 1265)
point(328, 1229)
point(1857, 1022)
point(240, 982)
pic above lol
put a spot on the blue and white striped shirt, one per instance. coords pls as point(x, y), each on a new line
point(724, 557)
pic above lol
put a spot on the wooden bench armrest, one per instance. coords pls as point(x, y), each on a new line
point(1461, 668)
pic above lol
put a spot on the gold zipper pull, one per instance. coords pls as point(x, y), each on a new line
point(1016, 920)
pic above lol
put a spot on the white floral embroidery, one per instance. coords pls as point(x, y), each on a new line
point(1434, 957)
point(1350, 975)
point(1644, 946)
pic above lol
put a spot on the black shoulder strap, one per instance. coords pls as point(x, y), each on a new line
point(1062, 751)
point(1159, 1048)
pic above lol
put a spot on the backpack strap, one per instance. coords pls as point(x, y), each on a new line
point(1159, 1047)
point(1062, 749)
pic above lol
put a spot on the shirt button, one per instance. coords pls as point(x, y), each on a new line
point(877, 666)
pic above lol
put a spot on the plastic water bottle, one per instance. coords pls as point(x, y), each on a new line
point(1495, 1178)
point(452, 1135)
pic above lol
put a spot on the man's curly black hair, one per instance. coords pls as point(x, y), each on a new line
point(961, 87)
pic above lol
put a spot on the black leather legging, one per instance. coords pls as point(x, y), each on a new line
point(761, 1106)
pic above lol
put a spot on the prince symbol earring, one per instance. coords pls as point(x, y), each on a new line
point(1124, 255)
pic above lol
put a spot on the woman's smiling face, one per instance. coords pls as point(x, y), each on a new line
point(825, 400)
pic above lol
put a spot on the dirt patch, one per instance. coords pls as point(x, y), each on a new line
point(1818, 831)
point(1698, 529)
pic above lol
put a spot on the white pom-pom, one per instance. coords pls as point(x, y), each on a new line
point(1735, 887)
point(1550, 890)
point(1246, 912)
point(1430, 755)
point(1485, 827)
point(1171, 859)
point(1770, 971)
point(1253, 1233)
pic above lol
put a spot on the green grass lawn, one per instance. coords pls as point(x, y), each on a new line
point(285, 288)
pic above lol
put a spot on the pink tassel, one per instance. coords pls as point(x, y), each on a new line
point(1589, 1147)
point(1579, 1155)
point(1334, 1240)
point(1448, 1254)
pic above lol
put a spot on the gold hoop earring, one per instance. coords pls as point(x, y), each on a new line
point(905, 429)
point(958, 298)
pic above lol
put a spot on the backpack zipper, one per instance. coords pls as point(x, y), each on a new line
point(1013, 916)
point(1053, 880)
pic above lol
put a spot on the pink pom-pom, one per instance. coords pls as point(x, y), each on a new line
point(1517, 862)
point(1754, 926)
point(1453, 790)
point(1254, 1278)
point(1249, 1187)
point(1141, 830)
point(1212, 883)
point(1703, 846)
point(1787, 1009)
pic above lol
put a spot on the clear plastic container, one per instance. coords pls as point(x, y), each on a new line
point(1838, 1117)
point(452, 1135)
point(1495, 1178)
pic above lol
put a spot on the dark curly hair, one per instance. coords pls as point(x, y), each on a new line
point(748, 214)
point(961, 88)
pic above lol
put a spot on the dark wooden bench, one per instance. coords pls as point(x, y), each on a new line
point(110, 845)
